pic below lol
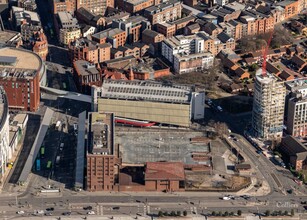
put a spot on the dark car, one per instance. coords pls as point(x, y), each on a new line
point(290, 191)
point(50, 209)
point(116, 208)
point(88, 208)
point(66, 213)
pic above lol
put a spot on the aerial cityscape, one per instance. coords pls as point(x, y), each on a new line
point(153, 109)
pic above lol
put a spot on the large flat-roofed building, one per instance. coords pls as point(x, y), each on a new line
point(20, 74)
point(133, 6)
point(174, 105)
point(101, 157)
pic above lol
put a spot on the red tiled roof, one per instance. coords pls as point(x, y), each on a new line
point(164, 170)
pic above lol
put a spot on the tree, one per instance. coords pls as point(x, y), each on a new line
point(226, 213)
point(213, 213)
point(220, 213)
point(160, 213)
point(267, 213)
point(231, 213)
point(173, 213)
point(239, 212)
point(185, 213)
point(292, 212)
point(178, 213)
point(165, 213)
point(286, 213)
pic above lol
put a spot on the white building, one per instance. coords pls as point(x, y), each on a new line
point(268, 106)
point(194, 62)
point(221, 2)
point(181, 44)
point(5, 151)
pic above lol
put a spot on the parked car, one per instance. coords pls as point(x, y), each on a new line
point(219, 108)
point(91, 213)
point(20, 212)
point(226, 198)
point(50, 209)
point(66, 213)
point(88, 208)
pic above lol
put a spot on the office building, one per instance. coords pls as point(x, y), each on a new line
point(101, 159)
point(268, 106)
point(149, 101)
point(21, 73)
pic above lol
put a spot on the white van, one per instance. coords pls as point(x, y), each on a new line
point(61, 146)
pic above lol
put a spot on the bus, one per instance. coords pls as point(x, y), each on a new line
point(38, 164)
point(49, 164)
point(42, 152)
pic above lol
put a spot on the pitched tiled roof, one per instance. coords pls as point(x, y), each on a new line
point(164, 170)
point(223, 37)
point(298, 61)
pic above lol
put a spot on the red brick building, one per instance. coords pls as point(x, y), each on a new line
point(164, 176)
point(101, 160)
point(20, 77)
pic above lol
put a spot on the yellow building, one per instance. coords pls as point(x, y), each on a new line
point(173, 105)
point(68, 35)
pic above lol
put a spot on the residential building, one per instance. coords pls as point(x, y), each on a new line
point(134, 6)
point(166, 28)
point(108, 20)
point(101, 160)
point(10, 38)
point(64, 6)
point(68, 28)
point(295, 150)
point(85, 16)
point(133, 26)
point(28, 5)
point(68, 35)
point(184, 63)
point(21, 73)
point(84, 49)
point(21, 16)
point(153, 38)
point(268, 106)
point(297, 115)
point(116, 37)
point(151, 101)
point(87, 30)
point(164, 176)
point(181, 44)
point(86, 75)
point(222, 2)
point(95, 6)
point(181, 23)
point(291, 8)
point(166, 11)
point(6, 152)
point(27, 31)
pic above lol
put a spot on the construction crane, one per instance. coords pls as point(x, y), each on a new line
point(265, 52)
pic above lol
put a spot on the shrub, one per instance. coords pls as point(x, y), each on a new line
point(239, 212)
point(292, 212)
point(185, 213)
point(160, 213)
point(173, 213)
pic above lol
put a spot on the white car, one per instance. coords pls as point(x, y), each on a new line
point(226, 198)
point(219, 108)
point(39, 212)
point(20, 212)
point(91, 213)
